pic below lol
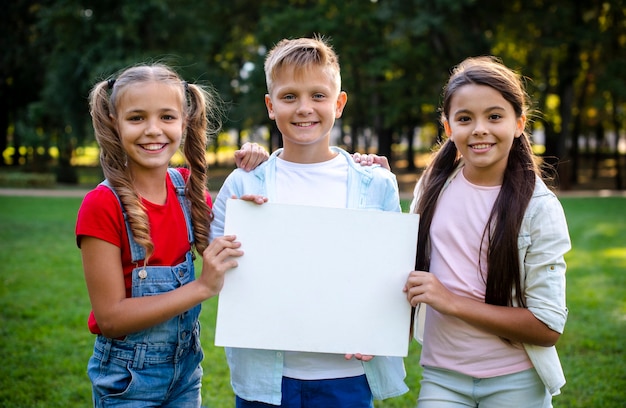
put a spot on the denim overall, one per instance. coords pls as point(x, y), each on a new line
point(158, 366)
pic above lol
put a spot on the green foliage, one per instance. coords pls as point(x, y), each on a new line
point(43, 301)
point(20, 179)
point(592, 347)
point(45, 344)
point(395, 56)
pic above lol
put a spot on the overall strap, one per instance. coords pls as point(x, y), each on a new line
point(137, 252)
point(179, 184)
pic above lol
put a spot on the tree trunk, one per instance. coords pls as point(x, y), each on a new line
point(410, 153)
point(617, 129)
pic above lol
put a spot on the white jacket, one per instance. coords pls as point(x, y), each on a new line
point(543, 241)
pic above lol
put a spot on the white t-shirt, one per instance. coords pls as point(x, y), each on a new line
point(456, 232)
point(323, 185)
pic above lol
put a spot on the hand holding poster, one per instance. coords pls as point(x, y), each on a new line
point(318, 279)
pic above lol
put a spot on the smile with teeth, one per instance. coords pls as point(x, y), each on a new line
point(153, 146)
point(304, 124)
point(481, 146)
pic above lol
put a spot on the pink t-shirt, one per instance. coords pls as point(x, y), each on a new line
point(456, 232)
point(100, 216)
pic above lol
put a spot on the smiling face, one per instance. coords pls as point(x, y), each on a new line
point(482, 125)
point(305, 103)
point(150, 124)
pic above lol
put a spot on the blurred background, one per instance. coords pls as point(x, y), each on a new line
point(395, 57)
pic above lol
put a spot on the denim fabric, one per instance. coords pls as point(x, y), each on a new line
point(256, 375)
point(350, 392)
point(134, 375)
point(159, 366)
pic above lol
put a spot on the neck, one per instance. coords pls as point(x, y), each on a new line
point(307, 154)
point(151, 186)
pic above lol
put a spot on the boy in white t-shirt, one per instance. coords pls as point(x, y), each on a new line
point(304, 98)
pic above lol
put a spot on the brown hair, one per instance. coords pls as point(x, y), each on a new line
point(202, 117)
point(503, 271)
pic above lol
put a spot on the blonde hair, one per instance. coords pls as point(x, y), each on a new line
point(301, 54)
point(202, 117)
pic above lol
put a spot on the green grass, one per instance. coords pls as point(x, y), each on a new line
point(45, 344)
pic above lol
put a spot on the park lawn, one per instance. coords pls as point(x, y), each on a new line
point(45, 345)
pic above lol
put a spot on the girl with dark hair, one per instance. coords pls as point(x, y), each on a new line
point(490, 274)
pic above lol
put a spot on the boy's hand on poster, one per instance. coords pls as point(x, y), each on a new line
point(362, 357)
point(257, 199)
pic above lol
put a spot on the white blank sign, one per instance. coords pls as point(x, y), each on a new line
point(317, 279)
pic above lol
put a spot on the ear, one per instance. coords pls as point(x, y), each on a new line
point(446, 128)
point(520, 125)
point(115, 124)
point(342, 99)
point(270, 107)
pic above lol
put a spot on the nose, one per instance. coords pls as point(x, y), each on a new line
point(153, 128)
point(304, 107)
point(479, 129)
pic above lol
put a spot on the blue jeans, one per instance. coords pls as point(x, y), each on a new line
point(350, 392)
point(155, 367)
point(449, 389)
point(145, 377)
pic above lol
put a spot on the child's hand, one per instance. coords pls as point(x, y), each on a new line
point(369, 159)
point(424, 287)
point(250, 156)
point(362, 357)
point(217, 259)
point(258, 199)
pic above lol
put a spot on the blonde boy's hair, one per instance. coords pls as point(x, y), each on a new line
point(301, 54)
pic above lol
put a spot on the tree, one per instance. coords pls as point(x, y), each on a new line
point(395, 57)
point(21, 70)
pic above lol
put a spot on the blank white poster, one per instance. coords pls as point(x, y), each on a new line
point(317, 279)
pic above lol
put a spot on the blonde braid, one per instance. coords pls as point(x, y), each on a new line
point(113, 157)
point(202, 116)
point(200, 107)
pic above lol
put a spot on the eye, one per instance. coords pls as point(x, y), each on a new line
point(134, 118)
point(288, 97)
point(319, 96)
point(495, 116)
point(463, 119)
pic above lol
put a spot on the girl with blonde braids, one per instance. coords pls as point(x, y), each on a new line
point(137, 232)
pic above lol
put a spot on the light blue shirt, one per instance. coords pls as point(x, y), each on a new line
point(256, 375)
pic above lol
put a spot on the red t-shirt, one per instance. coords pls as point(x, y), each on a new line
point(100, 216)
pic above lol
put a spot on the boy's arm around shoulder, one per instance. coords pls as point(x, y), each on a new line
point(238, 183)
point(386, 185)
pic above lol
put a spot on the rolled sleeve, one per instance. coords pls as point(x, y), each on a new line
point(389, 190)
point(543, 242)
